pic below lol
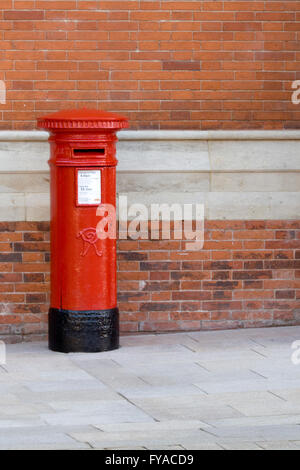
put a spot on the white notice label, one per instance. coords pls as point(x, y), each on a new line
point(89, 187)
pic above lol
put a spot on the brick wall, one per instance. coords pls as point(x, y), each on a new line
point(247, 275)
point(24, 279)
point(165, 64)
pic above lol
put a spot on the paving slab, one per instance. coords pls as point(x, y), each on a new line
point(248, 421)
point(230, 390)
point(187, 410)
point(25, 422)
point(198, 446)
point(240, 446)
point(280, 445)
point(154, 426)
point(152, 391)
point(102, 412)
point(148, 438)
point(46, 446)
point(33, 437)
point(287, 432)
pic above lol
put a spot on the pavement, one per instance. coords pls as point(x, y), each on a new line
point(234, 390)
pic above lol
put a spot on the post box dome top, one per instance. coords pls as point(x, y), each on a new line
point(83, 119)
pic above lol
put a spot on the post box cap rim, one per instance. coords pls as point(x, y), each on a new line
point(83, 119)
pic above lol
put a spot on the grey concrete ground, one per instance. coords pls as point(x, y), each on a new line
point(206, 390)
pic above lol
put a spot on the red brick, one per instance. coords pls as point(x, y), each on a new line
point(10, 237)
point(249, 265)
point(5, 267)
point(5, 247)
point(283, 224)
point(283, 317)
point(159, 306)
point(190, 315)
point(282, 264)
point(192, 295)
point(254, 234)
point(221, 325)
point(221, 275)
point(23, 15)
point(162, 266)
point(285, 294)
point(253, 254)
point(253, 305)
point(129, 327)
point(32, 267)
point(222, 295)
point(135, 276)
point(31, 247)
point(221, 285)
point(32, 287)
point(10, 257)
point(160, 296)
point(134, 317)
point(128, 266)
point(34, 277)
point(271, 31)
point(160, 326)
point(278, 304)
point(253, 294)
point(256, 284)
point(33, 236)
point(287, 254)
point(56, 5)
point(181, 65)
point(222, 306)
point(36, 298)
point(129, 306)
point(10, 319)
point(8, 298)
point(254, 245)
point(10, 277)
point(248, 275)
point(6, 288)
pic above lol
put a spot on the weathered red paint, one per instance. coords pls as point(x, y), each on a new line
point(83, 269)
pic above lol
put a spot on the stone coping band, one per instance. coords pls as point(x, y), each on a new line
point(41, 136)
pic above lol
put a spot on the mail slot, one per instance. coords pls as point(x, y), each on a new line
point(88, 152)
point(83, 315)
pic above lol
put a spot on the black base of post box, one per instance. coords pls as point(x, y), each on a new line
point(83, 331)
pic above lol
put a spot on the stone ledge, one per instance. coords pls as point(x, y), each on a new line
point(41, 136)
point(237, 174)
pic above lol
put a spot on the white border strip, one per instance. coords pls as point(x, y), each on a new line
point(209, 135)
point(41, 136)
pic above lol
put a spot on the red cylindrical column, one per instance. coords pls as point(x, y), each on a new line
point(83, 314)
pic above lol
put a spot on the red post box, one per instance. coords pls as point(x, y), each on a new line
point(83, 315)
